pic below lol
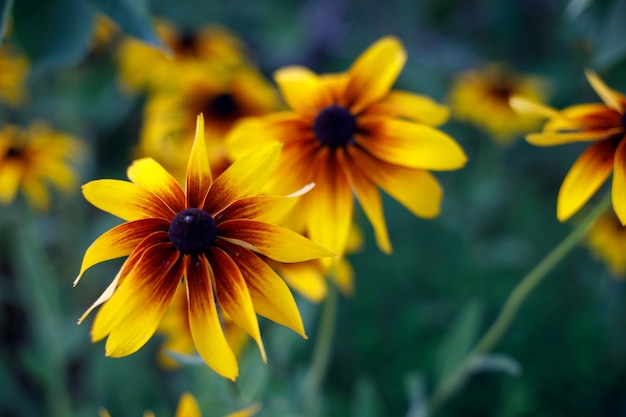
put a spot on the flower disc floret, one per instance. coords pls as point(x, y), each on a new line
point(334, 126)
point(192, 231)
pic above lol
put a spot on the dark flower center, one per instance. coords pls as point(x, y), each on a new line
point(14, 152)
point(334, 126)
point(623, 120)
point(187, 42)
point(222, 105)
point(192, 231)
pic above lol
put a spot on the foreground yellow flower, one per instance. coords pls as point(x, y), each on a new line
point(170, 115)
point(349, 134)
point(13, 72)
point(604, 125)
point(188, 407)
point(607, 241)
point(481, 97)
point(207, 49)
point(210, 238)
point(34, 157)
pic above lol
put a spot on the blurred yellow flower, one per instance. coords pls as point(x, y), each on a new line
point(481, 97)
point(349, 134)
point(170, 115)
point(13, 72)
point(212, 233)
point(604, 125)
point(188, 407)
point(209, 49)
point(34, 157)
point(104, 31)
point(607, 240)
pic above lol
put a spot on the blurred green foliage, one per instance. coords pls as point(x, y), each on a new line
point(498, 220)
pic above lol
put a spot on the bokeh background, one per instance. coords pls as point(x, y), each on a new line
point(415, 312)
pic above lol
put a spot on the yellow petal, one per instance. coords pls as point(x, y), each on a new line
point(246, 412)
point(412, 145)
point(275, 242)
point(244, 178)
point(199, 178)
point(618, 194)
point(588, 173)
point(270, 295)
point(136, 308)
point(369, 197)
point(188, 406)
point(306, 278)
point(204, 322)
point(411, 106)
point(302, 89)
point(119, 241)
point(10, 176)
point(607, 95)
point(416, 189)
point(233, 295)
point(125, 200)
point(372, 75)
point(552, 139)
point(148, 174)
point(523, 105)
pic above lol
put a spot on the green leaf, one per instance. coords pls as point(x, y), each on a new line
point(5, 7)
point(459, 340)
point(133, 17)
point(53, 33)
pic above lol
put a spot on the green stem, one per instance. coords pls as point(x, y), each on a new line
point(490, 339)
point(321, 352)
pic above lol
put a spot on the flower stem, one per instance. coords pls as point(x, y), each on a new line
point(494, 334)
point(321, 352)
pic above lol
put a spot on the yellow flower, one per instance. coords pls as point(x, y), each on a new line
point(481, 97)
point(170, 115)
point(603, 125)
point(607, 240)
point(212, 234)
point(13, 72)
point(33, 157)
point(188, 407)
point(211, 49)
point(104, 31)
point(349, 134)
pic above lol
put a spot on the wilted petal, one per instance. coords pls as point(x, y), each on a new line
point(233, 295)
point(588, 173)
point(369, 197)
point(412, 145)
point(619, 182)
point(147, 173)
point(416, 189)
point(199, 177)
point(244, 178)
point(204, 321)
point(270, 295)
point(119, 241)
point(125, 200)
point(131, 316)
point(372, 75)
point(302, 89)
point(275, 242)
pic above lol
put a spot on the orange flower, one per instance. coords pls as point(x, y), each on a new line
point(210, 238)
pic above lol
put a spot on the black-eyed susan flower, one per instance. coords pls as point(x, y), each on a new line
point(481, 97)
point(32, 158)
point(209, 49)
point(208, 237)
point(607, 241)
point(14, 69)
point(349, 133)
point(602, 124)
point(188, 407)
point(170, 114)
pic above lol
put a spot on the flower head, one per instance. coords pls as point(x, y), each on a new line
point(34, 157)
point(601, 124)
point(481, 97)
point(349, 133)
point(13, 72)
point(208, 237)
point(607, 241)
